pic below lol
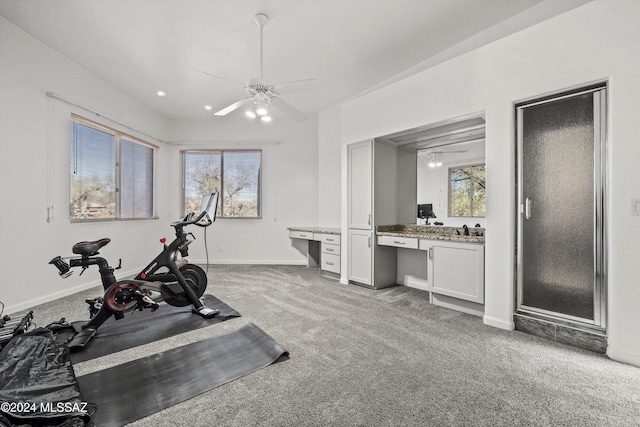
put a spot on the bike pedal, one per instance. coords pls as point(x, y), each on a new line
point(206, 312)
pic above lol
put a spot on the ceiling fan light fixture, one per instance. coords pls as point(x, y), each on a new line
point(265, 118)
point(250, 114)
point(208, 107)
point(261, 111)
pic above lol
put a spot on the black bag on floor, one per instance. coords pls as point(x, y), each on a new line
point(37, 384)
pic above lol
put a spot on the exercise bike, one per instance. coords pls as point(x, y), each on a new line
point(167, 278)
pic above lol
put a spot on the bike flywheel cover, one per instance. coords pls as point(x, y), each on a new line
point(119, 297)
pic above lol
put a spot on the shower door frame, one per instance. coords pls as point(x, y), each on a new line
point(600, 171)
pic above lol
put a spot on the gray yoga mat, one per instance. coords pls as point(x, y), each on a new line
point(135, 389)
point(142, 327)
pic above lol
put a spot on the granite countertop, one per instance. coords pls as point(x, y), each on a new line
point(432, 232)
point(323, 230)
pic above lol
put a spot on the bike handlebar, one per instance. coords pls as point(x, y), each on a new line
point(209, 204)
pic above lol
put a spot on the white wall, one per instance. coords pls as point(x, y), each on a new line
point(34, 170)
point(597, 41)
point(330, 171)
point(289, 186)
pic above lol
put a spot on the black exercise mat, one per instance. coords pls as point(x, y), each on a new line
point(142, 327)
point(135, 389)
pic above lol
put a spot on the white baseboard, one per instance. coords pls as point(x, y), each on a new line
point(499, 323)
point(623, 357)
point(457, 304)
point(29, 304)
point(247, 262)
point(412, 282)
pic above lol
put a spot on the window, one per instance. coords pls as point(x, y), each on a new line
point(467, 191)
point(235, 174)
point(111, 174)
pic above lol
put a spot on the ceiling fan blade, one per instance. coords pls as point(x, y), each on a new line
point(294, 81)
point(233, 106)
point(289, 109)
point(218, 77)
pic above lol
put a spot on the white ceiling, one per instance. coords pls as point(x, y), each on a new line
point(141, 46)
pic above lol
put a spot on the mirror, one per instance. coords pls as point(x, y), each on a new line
point(452, 180)
point(450, 169)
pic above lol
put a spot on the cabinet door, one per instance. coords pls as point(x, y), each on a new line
point(360, 185)
point(457, 270)
point(360, 255)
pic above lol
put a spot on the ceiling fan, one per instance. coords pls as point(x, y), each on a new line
point(263, 94)
point(435, 157)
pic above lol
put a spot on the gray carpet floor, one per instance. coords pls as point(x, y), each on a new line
point(381, 358)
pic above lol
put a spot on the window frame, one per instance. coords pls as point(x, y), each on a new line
point(118, 135)
point(222, 194)
point(449, 189)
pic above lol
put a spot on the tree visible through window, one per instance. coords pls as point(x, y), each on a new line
point(235, 174)
point(102, 188)
point(467, 191)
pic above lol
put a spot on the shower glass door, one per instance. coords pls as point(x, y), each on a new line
point(561, 194)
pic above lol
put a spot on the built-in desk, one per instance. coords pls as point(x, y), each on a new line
point(323, 248)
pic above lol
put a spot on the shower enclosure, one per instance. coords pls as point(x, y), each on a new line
point(561, 278)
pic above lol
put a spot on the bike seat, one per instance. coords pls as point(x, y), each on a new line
point(89, 248)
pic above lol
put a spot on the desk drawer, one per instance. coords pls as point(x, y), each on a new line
point(333, 239)
point(330, 249)
point(331, 262)
point(400, 242)
point(301, 235)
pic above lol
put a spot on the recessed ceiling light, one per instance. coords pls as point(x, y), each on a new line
point(208, 107)
point(161, 93)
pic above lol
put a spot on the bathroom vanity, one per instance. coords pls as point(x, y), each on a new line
point(441, 260)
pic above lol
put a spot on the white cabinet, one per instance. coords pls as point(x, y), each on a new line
point(360, 256)
point(360, 185)
point(399, 242)
point(372, 187)
point(330, 252)
point(456, 269)
point(295, 234)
